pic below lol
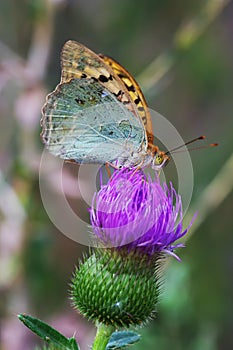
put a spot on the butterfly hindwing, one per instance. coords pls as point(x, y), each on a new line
point(82, 121)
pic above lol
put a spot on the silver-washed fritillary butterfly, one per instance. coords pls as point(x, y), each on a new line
point(98, 114)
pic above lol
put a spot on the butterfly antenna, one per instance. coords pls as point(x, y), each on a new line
point(201, 147)
point(202, 137)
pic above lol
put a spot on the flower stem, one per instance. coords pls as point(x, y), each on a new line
point(102, 336)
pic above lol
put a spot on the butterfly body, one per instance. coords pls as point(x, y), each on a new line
point(97, 114)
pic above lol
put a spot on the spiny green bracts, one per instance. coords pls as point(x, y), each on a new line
point(115, 288)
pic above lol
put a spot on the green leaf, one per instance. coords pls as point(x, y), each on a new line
point(47, 333)
point(73, 344)
point(122, 339)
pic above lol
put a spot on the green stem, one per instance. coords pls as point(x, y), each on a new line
point(102, 336)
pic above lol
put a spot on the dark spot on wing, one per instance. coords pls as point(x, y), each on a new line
point(119, 93)
point(83, 76)
point(79, 102)
point(137, 100)
point(141, 109)
point(130, 88)
point(104, 79)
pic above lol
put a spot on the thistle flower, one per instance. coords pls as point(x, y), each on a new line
point(135, 211)
point(137, 221)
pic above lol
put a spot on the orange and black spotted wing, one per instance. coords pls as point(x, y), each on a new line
point(135, 92)
point(77, 61)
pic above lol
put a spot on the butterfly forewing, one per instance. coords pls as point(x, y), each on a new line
point(135, 92)
point(79, 62)
point(82, 121)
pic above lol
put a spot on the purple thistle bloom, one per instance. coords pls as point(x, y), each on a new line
point(135, 211)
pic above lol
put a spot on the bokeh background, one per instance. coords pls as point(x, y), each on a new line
point(182, 54)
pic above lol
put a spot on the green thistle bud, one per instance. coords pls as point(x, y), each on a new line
point(116, 288)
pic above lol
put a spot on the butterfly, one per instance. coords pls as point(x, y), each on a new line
point(98, 114)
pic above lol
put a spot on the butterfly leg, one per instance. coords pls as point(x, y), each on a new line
point(108, 165)
point(108, 169)
point(136, 169)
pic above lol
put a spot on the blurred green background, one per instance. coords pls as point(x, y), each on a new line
point(182, 54)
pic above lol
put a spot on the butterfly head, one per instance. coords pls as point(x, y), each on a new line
point(160, 159)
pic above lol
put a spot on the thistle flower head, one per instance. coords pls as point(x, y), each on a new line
point(135, 211)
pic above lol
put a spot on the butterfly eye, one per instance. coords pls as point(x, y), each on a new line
point(158, 159)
